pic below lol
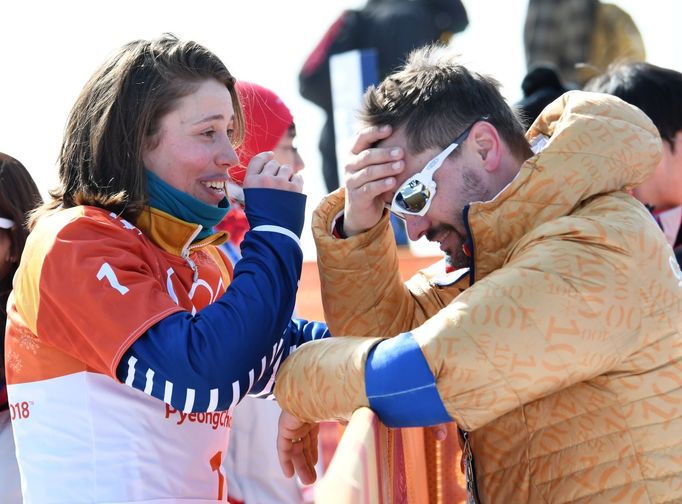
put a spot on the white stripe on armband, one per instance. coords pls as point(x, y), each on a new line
point(280, 230)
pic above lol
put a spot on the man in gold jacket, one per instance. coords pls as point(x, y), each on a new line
point(556, 346)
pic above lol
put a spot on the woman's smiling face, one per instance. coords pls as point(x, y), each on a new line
point(192, 149)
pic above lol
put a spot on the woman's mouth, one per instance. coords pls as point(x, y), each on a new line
point(217, 186)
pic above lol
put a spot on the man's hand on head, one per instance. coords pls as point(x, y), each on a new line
point(370, 174)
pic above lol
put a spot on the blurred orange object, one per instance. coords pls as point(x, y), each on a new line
point(309, 300)
point(377, 465)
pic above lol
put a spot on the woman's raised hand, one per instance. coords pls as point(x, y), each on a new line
point(264, 172)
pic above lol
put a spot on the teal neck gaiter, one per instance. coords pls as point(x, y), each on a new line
point(181, 205)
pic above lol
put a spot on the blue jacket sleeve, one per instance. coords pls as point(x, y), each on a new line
point(209, 361)
point(299, 332)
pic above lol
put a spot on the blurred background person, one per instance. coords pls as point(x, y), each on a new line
point(392, 28)
point(18, 196)
point(658, 92)
point(269, 127)
point(252, 466)
point(580, 37)
point(541, 86)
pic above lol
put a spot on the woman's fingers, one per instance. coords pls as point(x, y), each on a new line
point(265, 172)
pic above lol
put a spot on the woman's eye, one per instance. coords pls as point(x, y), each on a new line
point(230, 134)
point(208, 133)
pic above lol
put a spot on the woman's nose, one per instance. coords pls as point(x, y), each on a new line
point(227, 156)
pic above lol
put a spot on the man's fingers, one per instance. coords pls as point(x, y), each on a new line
point(376, 156)
point(369, 136)
point(297, 447)
point(298, 457)
point(310, 448)
point(315, 432)
point(287, 466)
point(303, 460)
point(372, 190)
point(374, 173)
point(284, 455)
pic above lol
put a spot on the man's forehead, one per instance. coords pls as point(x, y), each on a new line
point(414, 161)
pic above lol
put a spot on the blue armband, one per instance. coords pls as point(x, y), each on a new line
point(400, 386)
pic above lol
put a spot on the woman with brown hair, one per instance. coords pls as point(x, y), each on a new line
point(131, 338)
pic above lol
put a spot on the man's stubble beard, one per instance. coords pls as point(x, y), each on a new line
point(473, 189)
point(457, 259)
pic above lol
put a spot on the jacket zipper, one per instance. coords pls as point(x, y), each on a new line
point(186, 250)
point(467, 453)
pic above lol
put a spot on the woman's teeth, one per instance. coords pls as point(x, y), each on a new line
point(218, 186)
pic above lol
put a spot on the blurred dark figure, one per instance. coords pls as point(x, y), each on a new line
point(393, 28)
point(658, 93)
point(541, 86)
point(18, 196)
point(580, 37)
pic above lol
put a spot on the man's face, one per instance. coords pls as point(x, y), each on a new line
point(286, 152)
point(664, 189)
point(458, 184)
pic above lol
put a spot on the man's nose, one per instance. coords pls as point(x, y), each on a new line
point(416, 226)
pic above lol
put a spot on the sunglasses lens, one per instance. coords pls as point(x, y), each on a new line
point(413, 197)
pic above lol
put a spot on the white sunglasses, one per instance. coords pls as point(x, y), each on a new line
point(414, 196)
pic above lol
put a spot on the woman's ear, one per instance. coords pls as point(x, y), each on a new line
point(149, 143)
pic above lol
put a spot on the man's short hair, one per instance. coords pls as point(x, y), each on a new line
point(435, 98)
point(655, 90)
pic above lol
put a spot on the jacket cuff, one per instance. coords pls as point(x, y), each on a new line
point(325, 380)
point(273, 207)
point(354, 251)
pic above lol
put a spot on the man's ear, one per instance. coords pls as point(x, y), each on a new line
point(487, 144)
